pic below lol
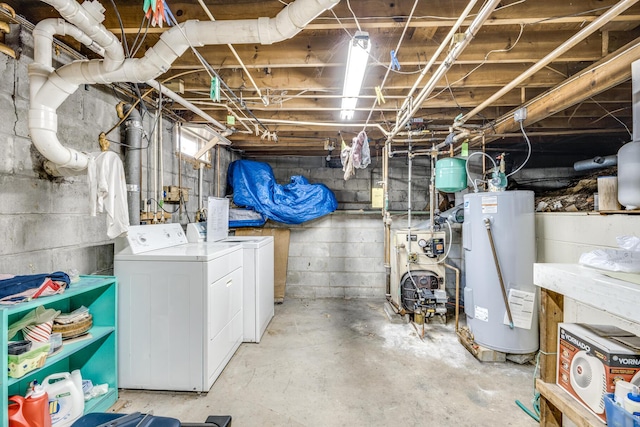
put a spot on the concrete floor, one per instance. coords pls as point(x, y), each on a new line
point(336, 362)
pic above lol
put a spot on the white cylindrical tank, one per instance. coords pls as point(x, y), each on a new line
point(512, 223)
point(629, 175)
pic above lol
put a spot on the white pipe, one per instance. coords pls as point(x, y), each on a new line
point(235, 53)
point(47, 97)
point(160, 172)
point(180, 100)
point(564, 47)
point(155, 168)
point(200, 183)
point(88, 18)
point(325, 124)
point(43, 121)
point(451, 58)
point(43, 38)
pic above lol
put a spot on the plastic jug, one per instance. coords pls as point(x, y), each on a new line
point(66, 400)
point(32, 411)
point(16, 417)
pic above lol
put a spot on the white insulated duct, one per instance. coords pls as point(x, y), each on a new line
point(52, 88)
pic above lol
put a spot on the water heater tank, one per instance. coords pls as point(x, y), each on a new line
point(512, 223)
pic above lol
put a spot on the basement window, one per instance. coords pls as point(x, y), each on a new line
point(190, 141)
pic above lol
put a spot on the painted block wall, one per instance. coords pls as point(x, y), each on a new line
point(45, 222)
point(342, 254)
point(563, 237)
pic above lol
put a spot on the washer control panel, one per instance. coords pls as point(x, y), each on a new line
point(144, 238)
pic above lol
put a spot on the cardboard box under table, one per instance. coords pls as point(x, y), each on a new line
point(591, 358)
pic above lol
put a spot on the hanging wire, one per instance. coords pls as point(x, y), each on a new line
point(386, 75)
point(135, 45)
point(528, 152)
point(124, 38)
point(609, 113)
point(355, 18)
point(212, 73)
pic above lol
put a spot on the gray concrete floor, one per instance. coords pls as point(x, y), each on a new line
point(336, 362)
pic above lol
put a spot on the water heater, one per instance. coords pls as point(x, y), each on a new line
point(509, 217)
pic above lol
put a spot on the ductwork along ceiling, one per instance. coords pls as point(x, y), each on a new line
point(569, 63)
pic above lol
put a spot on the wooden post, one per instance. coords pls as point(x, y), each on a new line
point(551, 313)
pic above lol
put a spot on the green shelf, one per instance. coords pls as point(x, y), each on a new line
point(95, 355)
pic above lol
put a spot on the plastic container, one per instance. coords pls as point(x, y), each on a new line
point(622, 388)
point(629, 175)
point(32, 411)
point(55, 340)
point(451, 175)
point(632, 401)
point(617, 416)
point(21, 364)
point(66, 400)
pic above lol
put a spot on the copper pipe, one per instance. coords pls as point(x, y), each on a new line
point(457, 271)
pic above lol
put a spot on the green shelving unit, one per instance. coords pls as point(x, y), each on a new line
point(95, 357)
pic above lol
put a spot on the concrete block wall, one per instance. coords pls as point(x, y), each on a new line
point(337, 256)
point(355, 193)
point(342, 254)
point(561, 237)
point(45, 221)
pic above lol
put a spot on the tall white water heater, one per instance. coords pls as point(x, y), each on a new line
point(509, 217)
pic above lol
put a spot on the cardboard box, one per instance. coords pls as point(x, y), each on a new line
point(591, 358)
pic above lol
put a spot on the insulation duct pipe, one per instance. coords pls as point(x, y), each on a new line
point(597, 162)
point(46, 98)
point(132, 170)
point(88, 19)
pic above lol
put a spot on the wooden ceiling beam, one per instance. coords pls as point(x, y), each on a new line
point(607, 73)
point(132, 27)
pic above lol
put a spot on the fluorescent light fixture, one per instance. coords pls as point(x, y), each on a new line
point(359, 49)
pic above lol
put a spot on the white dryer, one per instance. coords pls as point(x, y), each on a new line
point(258, 276)
point(180, 314)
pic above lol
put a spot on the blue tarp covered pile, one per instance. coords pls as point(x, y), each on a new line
point(255, 187)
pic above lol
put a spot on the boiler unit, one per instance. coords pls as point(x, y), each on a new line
point(418, 273)
point(500, 299)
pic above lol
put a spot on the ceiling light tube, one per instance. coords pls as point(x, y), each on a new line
point(359, 48)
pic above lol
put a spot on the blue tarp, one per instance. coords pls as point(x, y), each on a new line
point(254, 186)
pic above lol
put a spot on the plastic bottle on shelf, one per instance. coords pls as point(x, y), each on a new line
point(632, 401)
point(622, 388)
point(36, 407)
point(66, 400)
point(32, 410)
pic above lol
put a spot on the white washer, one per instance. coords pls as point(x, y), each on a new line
point(258, 276)
point(179, 309)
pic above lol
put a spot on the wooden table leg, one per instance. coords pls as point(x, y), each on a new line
point(551, 313)
point(550, 416)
